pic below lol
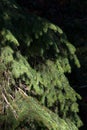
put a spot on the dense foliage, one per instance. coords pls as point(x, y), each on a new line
point(34, 57)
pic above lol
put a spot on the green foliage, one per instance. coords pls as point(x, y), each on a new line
point(8, 37)
point(36, 55)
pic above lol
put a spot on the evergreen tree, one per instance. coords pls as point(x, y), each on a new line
point(34, 57)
